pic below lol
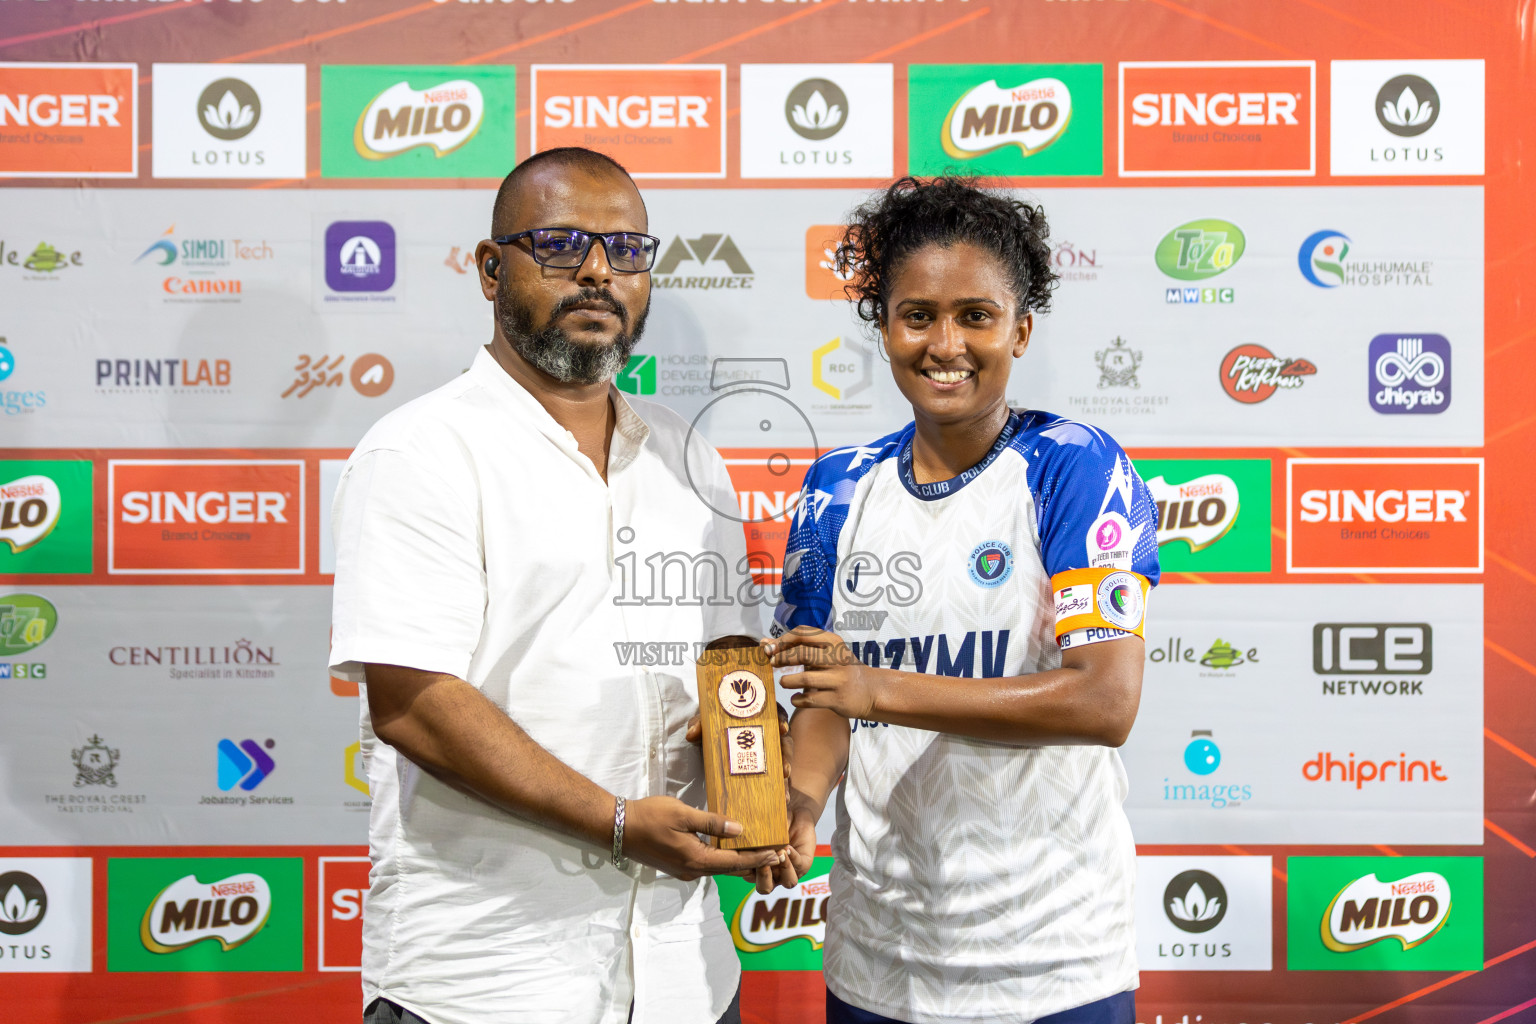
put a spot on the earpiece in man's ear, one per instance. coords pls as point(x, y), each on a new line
point(491, 263)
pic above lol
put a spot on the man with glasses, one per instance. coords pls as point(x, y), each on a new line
point(535, 801)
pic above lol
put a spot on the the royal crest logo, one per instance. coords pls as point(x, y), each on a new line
point(95, 763)
point(231, 911)
point(29, 510)
point(443, 117)
point(1251, 373)
point(1030, 116)
point(1368, 910)
point(1117, 365)
point(991, 563)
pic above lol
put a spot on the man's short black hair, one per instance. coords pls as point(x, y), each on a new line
point(589, 160)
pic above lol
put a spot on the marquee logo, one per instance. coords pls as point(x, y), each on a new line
point(29, 510)
point(205, 516)
point(1251, 373)
point(69, 120)
point(762, 922)
point(1217, 118)
point(1409, 373)
point(658, 120)
point(715, 256)
point(1199, 512)
point(1030, 116)
point(231, 911)
point(1387, 515)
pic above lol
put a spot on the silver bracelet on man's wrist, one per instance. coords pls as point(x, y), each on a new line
point(619, 860)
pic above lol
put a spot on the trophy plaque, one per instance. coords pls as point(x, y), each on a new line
point(743, 763)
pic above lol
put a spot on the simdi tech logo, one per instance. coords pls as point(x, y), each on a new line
point(1406, 117)
point(1384, 515)
point(1005, 119)
point(46, 514)
point(229, 120)
point(658, 120)
point(1213, 515)
point(1217, 118)
point(205, 517)
point(817, 120)
point(411, 121)
point(69, 120)
point(205, 914)
point(1384, 913)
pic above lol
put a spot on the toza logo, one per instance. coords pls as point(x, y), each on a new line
point(228, 109)
point(1407, 105)
point(987, 118)
point(231, 910)
point(443, 117)
point(1368, 910)
point(1200, 249)
point(816, 109)
point(1195, 901)
point(26, 621)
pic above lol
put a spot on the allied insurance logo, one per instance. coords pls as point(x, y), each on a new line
point(383, 121)
point(69, 120)
point(205, 517)
point(1010, 119)
point(658, 120)
point(1217, 118)
point(1384, 515)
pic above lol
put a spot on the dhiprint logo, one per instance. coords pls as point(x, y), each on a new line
point(1251, 373)
point(991, 563)
point(246, 765)
point(1407, 106)
point(228, 109)
point(360, 256)
point(1195, 901)
point(1410, 373)
point(816, 109)
point(23, 903)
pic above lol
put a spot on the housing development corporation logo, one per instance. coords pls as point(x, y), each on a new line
point(1409, 373)
point(69, 120)
point(229, 120)
point(1217, 118)
point(1407, 117)
point(1016, 119)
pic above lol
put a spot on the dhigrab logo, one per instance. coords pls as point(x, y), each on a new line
point(1409, 373)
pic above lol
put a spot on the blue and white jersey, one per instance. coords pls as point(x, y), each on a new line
point(974, 880)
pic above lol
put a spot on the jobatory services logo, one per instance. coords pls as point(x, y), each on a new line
point(414, 121)
point(1196, 252)
point(69, 120)
point(1203, 913)
point(205, 517)
point(707, 262)
point(1384, 913)
point(205, 914)
point(1406, 117)
point(45, 914)
point(1213, 515)
point(816, 120)
point(229, 120)
point(1252, 373)
point(658, 120)
point(1005, 119)
point(46, 515)
point(1217, 118)
point(1404, 650)
point(1384, 515)
point(1325, 261)
point(245, 764)
point(1409, 373)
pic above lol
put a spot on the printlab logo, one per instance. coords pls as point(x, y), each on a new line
point(1117, 365)
point(23, 903)
point(246, 765)
point(1251, 373)
point(1195, 901)
point(360, 256)
point(1407, 105)
point(228, 109)
point(816, 109)
point(713, 253)
point(95, 764)
point(1410, 373)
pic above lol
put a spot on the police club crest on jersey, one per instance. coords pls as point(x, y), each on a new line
point(991, 563)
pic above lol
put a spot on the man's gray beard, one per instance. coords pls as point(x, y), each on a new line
point(560, 356)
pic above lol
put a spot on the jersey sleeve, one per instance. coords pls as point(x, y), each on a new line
point(810, 558)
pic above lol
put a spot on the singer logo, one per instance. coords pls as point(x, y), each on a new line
point(658, 120)
point(205, 517)
point(1385, 515)
point(1217, 119)
point(68, 120)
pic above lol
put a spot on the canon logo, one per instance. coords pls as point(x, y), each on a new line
point(627, 112)
point(71, 110)
point(1387, 506)
point(1222, 108)
point(205, 507)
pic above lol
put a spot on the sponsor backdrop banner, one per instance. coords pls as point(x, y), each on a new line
point(1293, 242)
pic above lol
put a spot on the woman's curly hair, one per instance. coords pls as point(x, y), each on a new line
point(914, 213)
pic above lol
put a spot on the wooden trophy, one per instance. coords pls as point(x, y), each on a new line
point(743, 763)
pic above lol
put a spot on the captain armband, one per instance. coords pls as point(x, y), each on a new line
point(1098, 604)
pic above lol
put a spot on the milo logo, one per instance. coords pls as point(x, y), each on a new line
point(762, 922)
point(1368, 910)
point(231, 910)
point(1030, 116)
point(1198, 512)
point(29, 510)
point(1200, 249)
point(400, 118)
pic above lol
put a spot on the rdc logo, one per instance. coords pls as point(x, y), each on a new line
point(1409, 373)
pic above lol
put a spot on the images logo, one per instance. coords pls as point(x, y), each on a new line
point(1407, 106)
point(416, 121)
point(228, 109)
point(1251, 373)
point(360, 256)
point(69, 120)
point(705, 250)
point(209, 123)
point(1202, 758)
point(1410, 373)
point(658, 120)
point(1385, 913)
point(246, 765)
point(1217, 119)
point(205, 516)
point(1385, 515)
point(1014, 119)
point(7, 362)
point(1195, 901)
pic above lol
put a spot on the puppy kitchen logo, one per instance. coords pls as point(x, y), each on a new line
point(1409, 373)
point(408, 121)
point(46, 515)
point(783, 930)
point(1196, 252)
point(1005, 119)
point(213, 914)
point(1213, 515)
point(229, 121)
point(69, 120)
point(1385, 914)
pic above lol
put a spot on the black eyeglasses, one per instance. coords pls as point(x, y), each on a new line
point(629, 252)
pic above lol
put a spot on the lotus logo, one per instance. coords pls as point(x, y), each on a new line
point(228, 109)
point(1195, 901)
point(816, 109)
point(23, 902)
point(1407, 105)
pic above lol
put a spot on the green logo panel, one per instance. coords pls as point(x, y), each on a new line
point(638, 376)
point(414, 121)
point(1384, 914)
point(205, 914)
point(45, 516)
point(1213, 514)
point(1200, 249)
point(1005, 119)
point(782, 931)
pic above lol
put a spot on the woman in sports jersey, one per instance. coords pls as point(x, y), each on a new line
point(966, 598)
